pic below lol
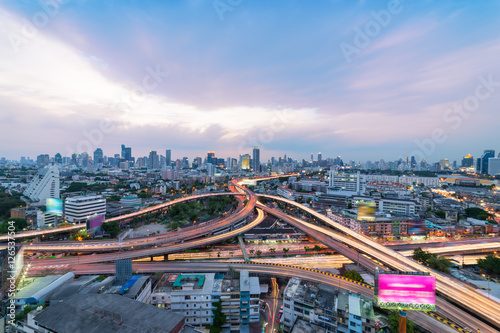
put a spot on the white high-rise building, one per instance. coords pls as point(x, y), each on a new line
point(79, 209)
point(494, 166)
point(44, 185)
point(346, 183)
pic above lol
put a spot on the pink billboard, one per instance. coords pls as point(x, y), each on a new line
point(95, 222)
point(411, 292)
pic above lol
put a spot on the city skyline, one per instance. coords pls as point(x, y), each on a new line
point(199, 79)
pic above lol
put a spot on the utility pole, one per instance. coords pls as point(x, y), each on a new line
point(402, 321)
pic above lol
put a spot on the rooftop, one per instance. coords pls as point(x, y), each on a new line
point(107, 313)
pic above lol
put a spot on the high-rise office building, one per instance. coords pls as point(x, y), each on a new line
point(154, 160)
point(126, 153)
point(468, 161)
point(319, 157)
point(484, 161)
point(98, 156)
point(444, 164)
point(168, 157)
point(413, 162)
point(42, 160)
point(245, 162)
point(211, 157)
point(256, 159)
point(58, 158)
point(494, 166)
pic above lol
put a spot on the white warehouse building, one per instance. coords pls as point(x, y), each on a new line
point(79, 209)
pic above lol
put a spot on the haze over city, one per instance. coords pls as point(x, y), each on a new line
point(358, 79)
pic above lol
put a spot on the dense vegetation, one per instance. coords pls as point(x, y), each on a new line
point(477, 213)
point(491, 263)
point(8, 202)
point(191, 211)
point(353, 275)
point(19, 224)
point(112, 228)
point(441, 264)
point(80, 186)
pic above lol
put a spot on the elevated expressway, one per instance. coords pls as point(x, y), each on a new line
point(122, 218)
point(462, 295)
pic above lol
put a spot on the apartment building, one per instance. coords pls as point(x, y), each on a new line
point(333, 309)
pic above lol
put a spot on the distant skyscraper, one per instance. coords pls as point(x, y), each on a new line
point(98, 156)
point(42, 160)
point(245, 162)
point(484, 161)
point(211, 157)
point(319, 157)
point(154, 160)
point(168, 157)
point(58, 158)
point(312, 157)
point(126, 153)
point(468, 161)
point(494, 166)
point(444, 164)
point(413, 162)
point(256, 159)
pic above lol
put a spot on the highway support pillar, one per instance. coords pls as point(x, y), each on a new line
point(152, 258)
point(165, 257)
point(402, 321)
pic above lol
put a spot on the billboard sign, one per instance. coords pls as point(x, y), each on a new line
point(54, 206)
point(366, 211)
point(95, 222)
point(406, 292)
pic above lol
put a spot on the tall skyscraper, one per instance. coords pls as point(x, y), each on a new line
point(484, 161)
point(126, 153)
point(245, 162)
point(98, 156)
point(168, 157)
point(468, 161)
point(413, 162)
point(211, 157)
point(319, 157)
point(58, 158)
point(154, 160)
point(256, 159)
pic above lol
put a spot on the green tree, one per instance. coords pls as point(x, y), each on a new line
point(394, 323)
point(19, 224)
point(112, 228)
point(477, 213)
point(441, 264)
point(440, 214)
point(491, 263)
point(353, 275)
point(285, 250)
point(421, 256)
point(272, 250)
point(259, 253)
point(219, 318)
point(317, 248)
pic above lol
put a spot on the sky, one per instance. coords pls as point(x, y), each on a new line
point(366, 80)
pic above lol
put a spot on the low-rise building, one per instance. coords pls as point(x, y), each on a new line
point(79, 209)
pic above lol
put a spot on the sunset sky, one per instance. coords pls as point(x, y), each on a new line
point(361, 79)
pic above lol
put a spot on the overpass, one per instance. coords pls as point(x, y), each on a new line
point(462, 295)
point(424, 320)
point(121, 218)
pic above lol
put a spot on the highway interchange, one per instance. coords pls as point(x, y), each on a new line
point(455, 297)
